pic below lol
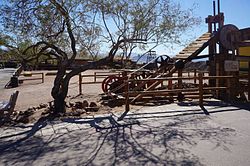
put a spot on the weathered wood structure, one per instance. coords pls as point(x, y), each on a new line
point(221, 45)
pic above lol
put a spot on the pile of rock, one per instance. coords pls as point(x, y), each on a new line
point(79, 107)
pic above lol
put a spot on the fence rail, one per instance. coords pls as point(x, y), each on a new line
point(200, 91)
point(96, 77)
point(23, 77)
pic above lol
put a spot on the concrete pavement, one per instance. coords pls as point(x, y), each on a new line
point(173, 134)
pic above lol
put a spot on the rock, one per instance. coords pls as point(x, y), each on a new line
point(92, 104)
point(92, 107)
point(85, 104)
point(78, 105)
point(46, 111)
point(29, 111)
point(76, 113)
point(43, 106)
point(22, 119)
point(71, 104)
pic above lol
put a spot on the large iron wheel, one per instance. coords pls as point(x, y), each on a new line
point(112, 82)
point(162, 61)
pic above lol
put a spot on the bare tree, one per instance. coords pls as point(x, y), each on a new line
point(56, 27)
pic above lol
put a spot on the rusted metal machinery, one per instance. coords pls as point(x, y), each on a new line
point(114, 84)
point(223, 81)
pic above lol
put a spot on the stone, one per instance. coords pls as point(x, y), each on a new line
point(71, 104)
point(43, 106)
point(92, 107)
point(85, 103)
point(78, 105)
point(46, 111)
point(92, 104)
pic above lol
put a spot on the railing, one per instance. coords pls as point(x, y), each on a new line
point(31, 76)
point(96, 77)
point(201, 90)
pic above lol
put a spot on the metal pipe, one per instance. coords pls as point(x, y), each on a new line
point(214, 15)
point(218, 6)
point(214, 8)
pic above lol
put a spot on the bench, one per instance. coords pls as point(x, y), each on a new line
point(7, 107)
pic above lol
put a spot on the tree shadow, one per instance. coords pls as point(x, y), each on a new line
point(17, 138)
point(106, 141)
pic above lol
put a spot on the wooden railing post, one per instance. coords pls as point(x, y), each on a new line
point(80, 84)
point(94, 77)
point(42, 77)
point(179, 80)
point(229, 88)
point(195, 74)
point(170, 83)
point(200, 89)
point(126, 83)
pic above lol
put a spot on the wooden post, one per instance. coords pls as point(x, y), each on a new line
point(229, 87)
point(170, 83)
point(217, 84)
point(42, 77)
point(195, 74)
point(94, 77)
point(200, 89)
point(80, 84)
point(125, 76)
point(179, 80)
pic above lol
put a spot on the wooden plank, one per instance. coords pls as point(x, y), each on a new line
point(30, 79)
point(197, 96)
point(243, 58)
point(200, 89)
point(244, 44)
point(99, 75)
point(181, 58)
point(215, 88)
point(97, 82)
point(186, 52)
point(183, 55)
point(190, 49)
point(163, 91)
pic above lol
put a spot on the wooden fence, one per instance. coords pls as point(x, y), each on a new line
point(96, 76)
point(32, 77)
point(201, 89)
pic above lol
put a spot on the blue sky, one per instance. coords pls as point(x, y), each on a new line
point(236, 12)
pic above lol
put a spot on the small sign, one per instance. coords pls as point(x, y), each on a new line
point(231, 65)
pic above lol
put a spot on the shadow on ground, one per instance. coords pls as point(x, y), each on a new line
point(106, 141)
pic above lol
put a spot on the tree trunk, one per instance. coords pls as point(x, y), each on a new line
point(60, 90)
point(59, 105)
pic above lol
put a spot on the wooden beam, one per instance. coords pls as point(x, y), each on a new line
point(243, 58)
point(244, 44)
point(200, 89)
point(80, 84)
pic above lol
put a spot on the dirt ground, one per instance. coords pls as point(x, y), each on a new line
point(34, 93)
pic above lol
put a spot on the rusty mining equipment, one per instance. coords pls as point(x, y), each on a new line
point(222, 44)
